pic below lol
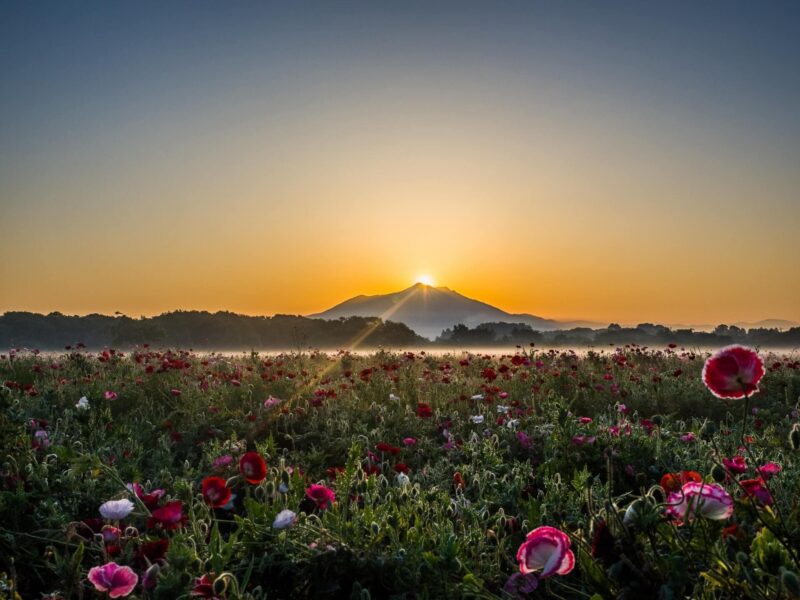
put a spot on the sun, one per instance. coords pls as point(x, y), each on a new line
point(425, 280)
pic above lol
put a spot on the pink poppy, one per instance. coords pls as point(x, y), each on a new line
point(253, 467)
point(733, 372)
point(755, 488)
point(321, 495)
point(735, 465)
point(116, 580)
point(769, 470)
point(222, 461)
point(546, 549)
point(109, 395)
point(150, 499)
point(409, 441)
point(170, 516)
point(708, 500)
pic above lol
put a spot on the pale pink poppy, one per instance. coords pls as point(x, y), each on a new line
point(116, 580)
point(546, 549)
point(708, 500)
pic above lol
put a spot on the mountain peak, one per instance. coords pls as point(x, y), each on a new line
point(429, 310)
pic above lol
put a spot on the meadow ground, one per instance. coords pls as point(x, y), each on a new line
point(166, 474)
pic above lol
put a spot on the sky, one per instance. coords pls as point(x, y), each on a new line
point(614, 161)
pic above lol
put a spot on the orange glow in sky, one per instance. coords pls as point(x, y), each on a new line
point(567, 165)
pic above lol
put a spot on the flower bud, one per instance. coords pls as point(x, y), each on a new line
point(708, 429)
point(150, 577)
point(657, 420)
point(220, 585)
point(794, 437)
point(718, 473)
point(790, 583)
point(742, 558)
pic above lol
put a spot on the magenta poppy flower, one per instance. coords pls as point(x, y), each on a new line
point(116, 580)
point(253, 467)
point(321, 495)
point(150, 499)
point(170, 516)
point(708, 500)
point(546, 549)
point(735, 465)
point(733, 372)
point(215, 491)
point(109, 395)
point(769, 470)
point(755, 488)
point(222, 461)
point(409, 441)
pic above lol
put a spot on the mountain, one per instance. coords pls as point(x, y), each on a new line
point(429, 310)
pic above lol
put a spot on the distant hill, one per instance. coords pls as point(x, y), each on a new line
point(430, 310)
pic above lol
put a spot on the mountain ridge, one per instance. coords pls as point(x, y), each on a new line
point(429, 310)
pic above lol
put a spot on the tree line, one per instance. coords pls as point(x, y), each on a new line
point(229, 331)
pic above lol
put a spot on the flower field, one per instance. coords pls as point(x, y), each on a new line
point(629, 472)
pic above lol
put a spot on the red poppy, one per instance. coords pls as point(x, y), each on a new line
point(152, 552)
point(216, 491)
point(321, 495)
point(736, 464)
point(170, 516)
point(253, 467)
point(458, 480)
point(672, 482)
point(733, 372)
point(756, 489)
point(203, 587)
point(402, 468)
point(424, 410)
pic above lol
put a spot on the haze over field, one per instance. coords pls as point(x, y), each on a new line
point(622, 162)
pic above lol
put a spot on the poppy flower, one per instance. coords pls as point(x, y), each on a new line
point(733, 372)
point(151, 552)
point(203, 587)
point(321, 495)
point(284, 519)
point(424, 410)
point(672, 482)
point(216, 491)
point(116, 580)
point(546, 549)
point(115, 510)
point(769, 470)
point(150, 499)
point(170, 516)
point(708, 500)
point(735, 465)
point(755, 488)
point(253, 467)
